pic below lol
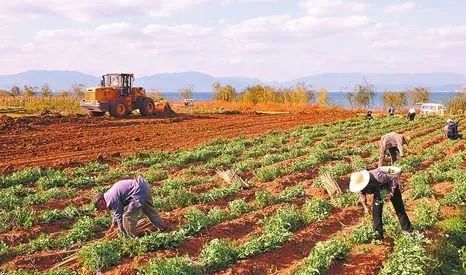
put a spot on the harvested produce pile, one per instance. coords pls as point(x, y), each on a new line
point(282, 221)
point(69, 141)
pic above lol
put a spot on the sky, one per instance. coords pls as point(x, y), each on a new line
point(274, 40)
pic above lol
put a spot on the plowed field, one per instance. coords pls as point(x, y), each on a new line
point(52, 142)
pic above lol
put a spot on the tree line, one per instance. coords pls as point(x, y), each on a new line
point(360, 96)
point(76, 90)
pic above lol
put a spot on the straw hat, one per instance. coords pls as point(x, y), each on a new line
point(359, 180)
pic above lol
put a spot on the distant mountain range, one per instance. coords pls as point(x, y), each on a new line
point(173, 82)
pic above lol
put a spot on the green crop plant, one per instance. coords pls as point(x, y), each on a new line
point(238, 207)
point(12, 197)
point(269, 173)
point(47, 195)
point(458, 194)
point(291, 192)
point(362, 234)
point(322, 255)
point(82, 230)
point(3, 249)
point(53, 178)
point(91, 168)
point(170, 266)
point(409, 256)
point(98, 256)
point(427, 214)
point(410, 163)
point(264, 198)
point(316, 209)
point(217, 193)
point(277, 230)
point(154, 174)
point(345, 199)
point(221, 161)
point(287, 218)
point(61, 271)
point(25, 176)
point(420, 185)
point(218, 254)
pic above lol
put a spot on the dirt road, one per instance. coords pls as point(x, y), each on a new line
point(69, 141)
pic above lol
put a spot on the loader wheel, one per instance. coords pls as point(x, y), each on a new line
point(148, 107)
point(96, 114)
point(118, 110)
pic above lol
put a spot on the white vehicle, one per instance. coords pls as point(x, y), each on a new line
point(188, 102)
point(432, 108)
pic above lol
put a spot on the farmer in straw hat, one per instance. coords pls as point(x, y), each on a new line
point(393, 142)
point(128, 198)
point(378, 183)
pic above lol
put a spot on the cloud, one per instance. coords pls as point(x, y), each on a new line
point(89, 10)
point(399, 8)
point(322, 8)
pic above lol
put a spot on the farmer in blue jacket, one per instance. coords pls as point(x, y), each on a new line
point(128, 198)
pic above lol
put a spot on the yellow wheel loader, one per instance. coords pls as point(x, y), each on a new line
point(117, 96)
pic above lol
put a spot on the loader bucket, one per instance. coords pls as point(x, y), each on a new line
point(162, 108)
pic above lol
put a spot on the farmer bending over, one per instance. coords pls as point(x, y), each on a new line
point(393, 142)
point(378, 183)
point(450, 130)
point(128, 198)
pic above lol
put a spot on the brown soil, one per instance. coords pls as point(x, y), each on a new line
point(298, 247)
point(69, 141)
point(364, 259)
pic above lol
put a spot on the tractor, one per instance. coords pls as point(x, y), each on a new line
point(117, 96)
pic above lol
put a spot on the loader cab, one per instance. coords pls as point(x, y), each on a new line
point(123, 82)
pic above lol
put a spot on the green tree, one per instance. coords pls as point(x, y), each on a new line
point(419, 95)
point(186, 92)
point(30, 91)
point(224, 93)
point(362, 95)
point(322, 98)
point(45, 91)
point(15, 91)
point(395, 99)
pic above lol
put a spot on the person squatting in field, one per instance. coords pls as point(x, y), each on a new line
point(393, 142)
point(378, 183)
point(450, 130)
point(128, 198)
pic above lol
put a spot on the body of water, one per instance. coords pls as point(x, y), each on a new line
point(336, 98)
